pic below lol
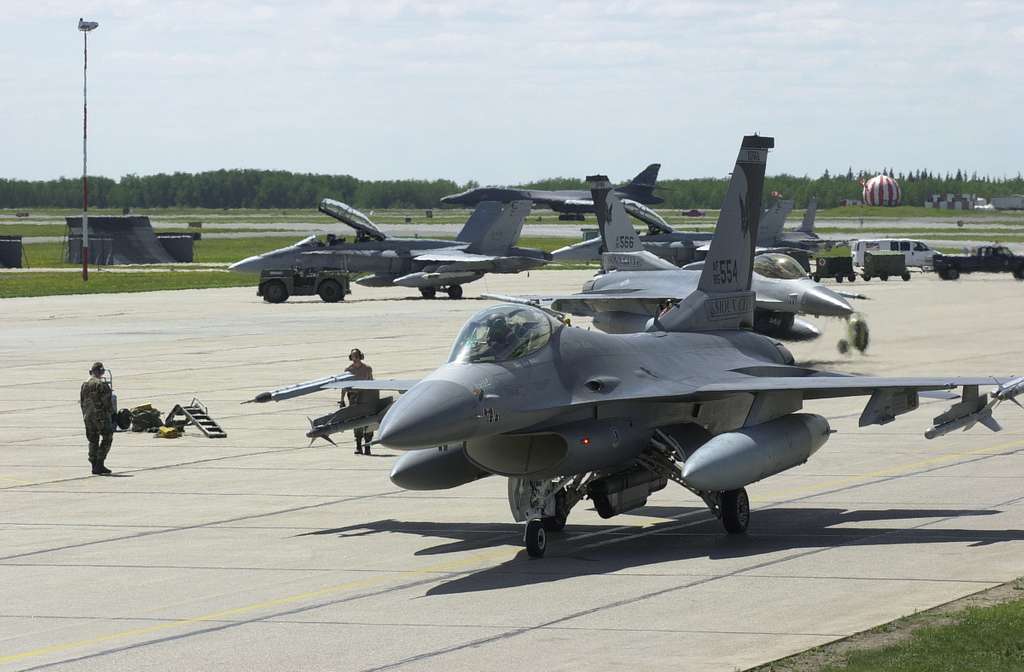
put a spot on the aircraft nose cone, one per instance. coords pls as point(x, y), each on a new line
point(245, 265)
point(823, 301)
point(432, 413)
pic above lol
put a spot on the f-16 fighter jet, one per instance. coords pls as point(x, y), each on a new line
point(637, 285)
point(698, 399)
point(679, 247)
point(486, 244)
point(639, 190)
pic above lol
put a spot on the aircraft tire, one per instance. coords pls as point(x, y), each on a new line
point(735, 510)
point(428, 292)
point(275, 291)
point(454, 291)
point(330, 291)
point(536, 538)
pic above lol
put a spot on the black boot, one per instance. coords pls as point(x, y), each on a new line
point(103, 468)
point(359, 445)
point(96, 468)
point(366, 447)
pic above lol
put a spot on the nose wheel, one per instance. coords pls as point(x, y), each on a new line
point(535, 538)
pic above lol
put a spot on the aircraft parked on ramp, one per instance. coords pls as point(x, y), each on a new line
point(567, 413)
point(486, 244)
point(570, 201)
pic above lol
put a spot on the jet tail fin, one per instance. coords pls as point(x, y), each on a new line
point(494, 227)
point(641, 187)
point(807, 225)
point(622, 249)
point(772, 222)
point(723, 299)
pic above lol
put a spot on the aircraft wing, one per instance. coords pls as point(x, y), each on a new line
point(342, 381)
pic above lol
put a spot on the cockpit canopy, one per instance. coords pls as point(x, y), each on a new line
point(777, 265)
point(501, 334)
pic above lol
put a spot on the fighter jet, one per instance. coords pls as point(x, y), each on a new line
point(636, 285)
point(486, 244)
point(569, 202)
point(698, 399)
point(682, 247)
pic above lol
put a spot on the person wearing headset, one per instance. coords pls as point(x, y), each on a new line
point(360, 371)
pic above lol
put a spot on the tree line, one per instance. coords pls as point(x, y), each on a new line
point(286, 190)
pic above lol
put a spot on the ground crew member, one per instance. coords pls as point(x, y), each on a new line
point(360, 371)
point(97, 411)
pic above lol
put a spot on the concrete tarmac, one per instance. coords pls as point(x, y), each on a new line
point(258, 552)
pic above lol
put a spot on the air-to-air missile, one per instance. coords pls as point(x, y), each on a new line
point(975, 408)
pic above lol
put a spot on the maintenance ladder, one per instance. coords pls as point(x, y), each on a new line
point(195, 413)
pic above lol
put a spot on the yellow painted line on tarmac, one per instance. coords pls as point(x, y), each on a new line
point(888, 472)
point(13, 480)
point(501, 554)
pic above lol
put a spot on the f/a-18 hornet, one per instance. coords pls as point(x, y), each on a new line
point(680, 247)
point(698, 399)
point(637, 193)
point(636, 285)
point(486, 244)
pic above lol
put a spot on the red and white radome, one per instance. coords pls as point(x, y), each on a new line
point(882, 190)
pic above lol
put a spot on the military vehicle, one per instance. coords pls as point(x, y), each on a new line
point(574, 203)
point(883, 265)
point(567, 413)
point(486, 244)
point(277, 285)
point(834, 267)
point(986, 259)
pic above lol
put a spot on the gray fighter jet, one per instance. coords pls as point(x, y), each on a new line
point(571, 201)
point(567, 413)
point(682, 247)
point(486, 244)
point(638, 285)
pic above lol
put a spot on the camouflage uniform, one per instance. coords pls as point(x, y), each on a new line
point(97, 409)
point(356, 397)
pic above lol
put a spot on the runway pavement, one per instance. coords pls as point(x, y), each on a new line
point(258, 552)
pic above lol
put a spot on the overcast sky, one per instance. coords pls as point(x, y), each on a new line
point(503, 92)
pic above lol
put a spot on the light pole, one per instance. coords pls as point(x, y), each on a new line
point(85, 27)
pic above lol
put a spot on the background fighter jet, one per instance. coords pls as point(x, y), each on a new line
point(567, 413)
point(577, 202)
point(682, 247)
point(486, 244)
point(637, 285)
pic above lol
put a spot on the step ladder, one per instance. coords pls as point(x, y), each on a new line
point(195, 413)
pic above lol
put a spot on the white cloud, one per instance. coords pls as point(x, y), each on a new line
point(504, 91)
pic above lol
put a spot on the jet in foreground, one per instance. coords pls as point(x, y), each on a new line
point(486, 244)
point(566, 413)
point(570, 201)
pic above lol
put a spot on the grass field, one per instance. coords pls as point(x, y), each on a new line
point(101, 282)
point(980, 633)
